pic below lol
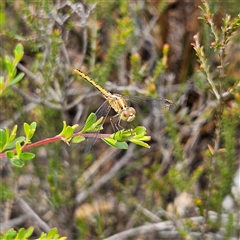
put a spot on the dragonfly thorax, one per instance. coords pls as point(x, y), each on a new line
point(120, 106)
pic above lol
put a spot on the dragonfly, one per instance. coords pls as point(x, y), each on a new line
point(119, 103)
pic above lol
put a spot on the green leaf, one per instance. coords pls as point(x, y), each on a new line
point(10, 154)
point(18, 148)
point(92, 118)
point(13, 73)
point(121, 145)
point(21, 233)
point(78, 139)
point(9, 65)
point(97, 125)
point(92, 124)
point(118, 135)
point(13, 143)
point(26, 128)
point(115, 143)
point(28, 232)
point(64, 129)
point(18, 52)
point(7, 134)
point(110, 141)
point(139, 142)
point(17, 162)
point(16, 79)
point(42, 237)
point(27, 156)
point(122, 135)
point(140, 130)
point(52, 233)
point(3, 138)
point(33, 125)
point(11, 233)
point(13, 133)
point(69, 132)
point(142, 138)
point(32, 130)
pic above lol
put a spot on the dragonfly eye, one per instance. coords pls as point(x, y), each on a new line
point(128, 114)
point(169, 105)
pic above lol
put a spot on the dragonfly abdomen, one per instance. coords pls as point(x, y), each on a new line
point(117, 102)
point(103, 91)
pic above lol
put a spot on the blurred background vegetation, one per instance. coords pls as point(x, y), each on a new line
point(186, 186)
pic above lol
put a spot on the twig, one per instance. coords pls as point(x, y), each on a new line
point(58, 138)
point(104, 179)
point(31, 214)
point(29, 74)
point(36, 99)
point(167, 229)
point(92, 170)
point(149, 214)
point(204, 65)
point(13, 222)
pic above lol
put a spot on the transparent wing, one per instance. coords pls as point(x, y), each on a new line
point(155, 103)
point(102, 111)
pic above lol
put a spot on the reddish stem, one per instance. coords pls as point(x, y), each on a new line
point(58, 138)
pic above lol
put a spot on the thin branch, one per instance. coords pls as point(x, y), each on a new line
point(104, 179)
point(94, 168)
point(204, 65)
point(29, 74)
point(168, 229)
point(59, 138)
point(13, 222)
point(32, 215)
point(149, 214)
point(36, 99)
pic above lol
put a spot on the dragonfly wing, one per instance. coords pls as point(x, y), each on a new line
point(162, 103)
point(155, 103)
point(102, 111)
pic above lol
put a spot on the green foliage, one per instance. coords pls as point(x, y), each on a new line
point(230, 228)
point(224, 167)
point(10, 65)
point(8, 141)
point(83, 227)
point(161, 65)
point(119, 36)
point(146, 184)
point(173, 134)
point(220, 40)
point(92, 124)
point(25, 234)
point(136, 136)
point(6, 193)
point(67, 132)
point(136, 67)
point(219, 162)
point(51, 235)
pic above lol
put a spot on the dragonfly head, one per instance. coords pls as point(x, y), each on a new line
point(169, 105)
point(128, 114)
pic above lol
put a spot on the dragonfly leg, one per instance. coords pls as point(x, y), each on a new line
point(117, 125)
